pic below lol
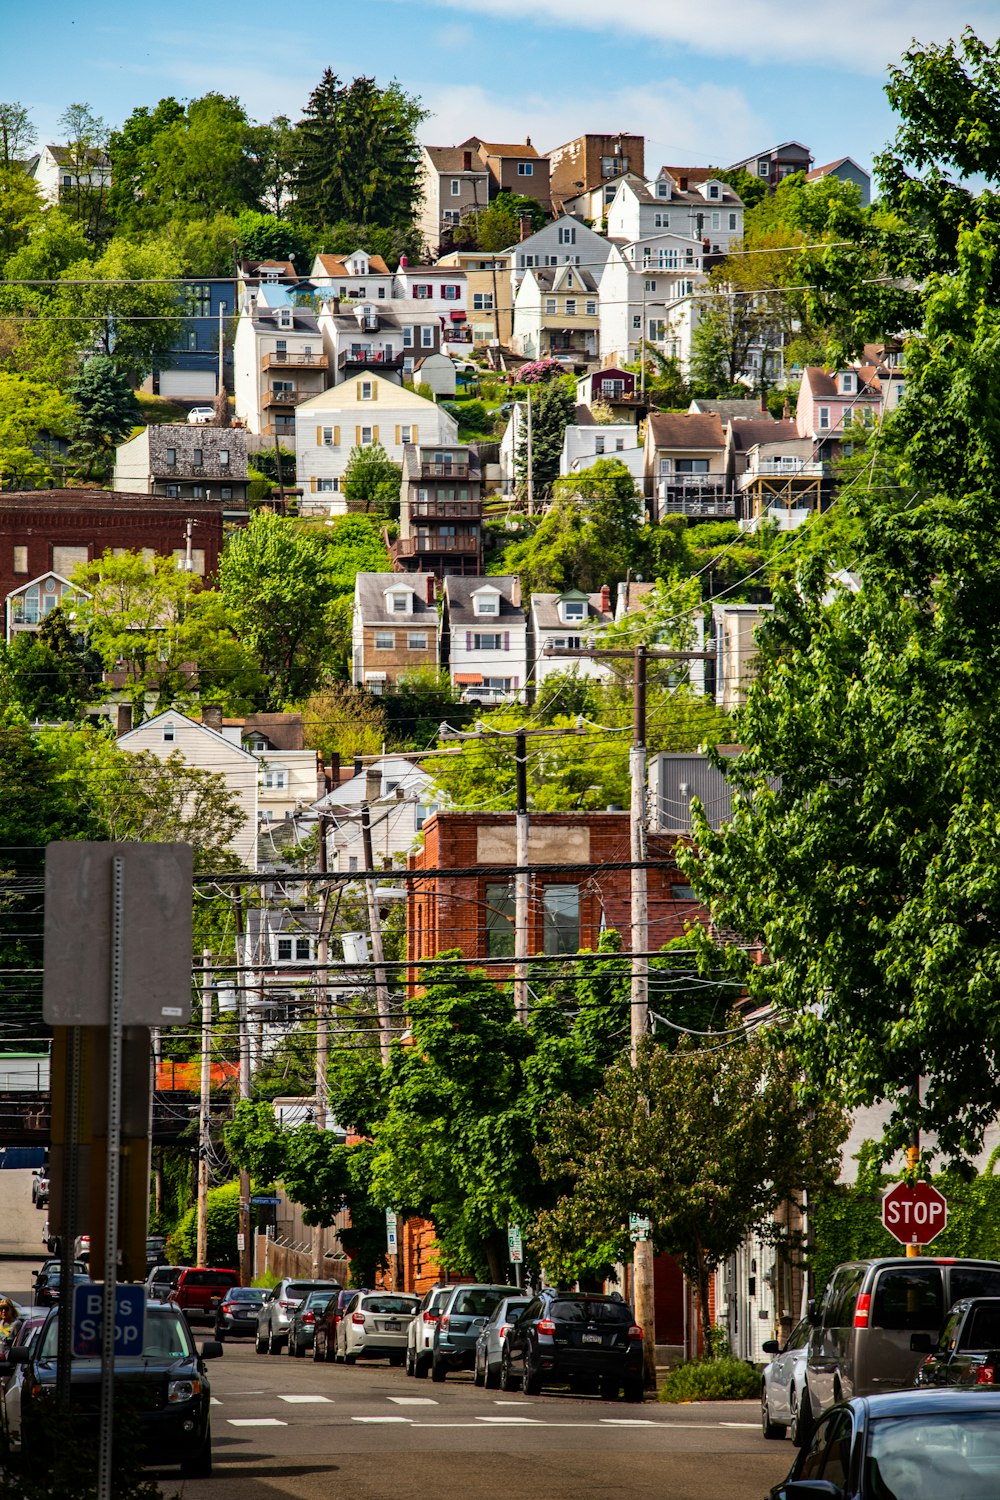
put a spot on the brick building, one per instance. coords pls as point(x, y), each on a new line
point(51, 532)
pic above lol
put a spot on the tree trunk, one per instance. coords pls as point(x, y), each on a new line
point(496, 1257)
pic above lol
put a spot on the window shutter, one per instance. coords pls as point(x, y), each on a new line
point(415, 431)
point(319, 437)
point(397, 434)
point(358, 385)
point(357, 437)
point(468, 640)
point(312, 483)
point(506, 640)
point(375, 434)
point(336, 437)
point(374, 390)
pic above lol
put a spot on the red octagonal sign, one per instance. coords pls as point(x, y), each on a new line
point(914, 1215)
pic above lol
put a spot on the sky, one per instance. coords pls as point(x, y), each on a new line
point(705, 81)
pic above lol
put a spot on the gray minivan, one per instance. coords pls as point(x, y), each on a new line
point(863, 1324)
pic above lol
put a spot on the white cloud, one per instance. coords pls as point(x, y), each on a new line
point(682, 124)
point(758, 31)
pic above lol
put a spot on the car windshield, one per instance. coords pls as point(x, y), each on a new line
point(316, 1299)
point(211, 1278)
point(927, 1457)
point(589, 1310)
point(166, 1336)
point(983, 1328)
point(404, 1305)
point(303, 1288)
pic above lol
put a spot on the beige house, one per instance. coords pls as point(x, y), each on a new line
point(394, 629)
point(733, 630)
point(557, 314)
point(453, 182)
point(490, 301)
point(172, 732)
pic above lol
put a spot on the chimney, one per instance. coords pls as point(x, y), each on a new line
point(763, 404)
point(527, 140)
point(373, 784)
point(515, 592)
point(124, 718)
point(786, 410)
point(404, 261)
point(682, 183)
point(466, 161)
point(430, 590)
point(333, 776)
point(605, 599)
point(526, 226)
point(211, 716)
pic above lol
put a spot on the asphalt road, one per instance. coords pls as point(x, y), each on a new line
point(292, 1428)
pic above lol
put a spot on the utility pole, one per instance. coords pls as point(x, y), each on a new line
point(322, 1037)
point(375, 923)
point(201, 1252)
point(246, 1247)
point(222, 380)
point(531, 462)
point(522, 880)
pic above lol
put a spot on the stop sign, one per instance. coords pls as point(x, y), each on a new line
point(914, 1215)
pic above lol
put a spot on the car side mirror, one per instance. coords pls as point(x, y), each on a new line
point(771, 1346)
point(812, 1313)
point(212, 1349)
point(921, 1343)
point(18, 1355)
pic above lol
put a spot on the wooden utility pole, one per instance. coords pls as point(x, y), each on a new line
point(245, 1233)
point(322, 1038)
point(375, 923)
point(201, 1251)
point(522, 880)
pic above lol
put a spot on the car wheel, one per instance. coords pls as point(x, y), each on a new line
point(318, 1358)
point(479, 1374)
point(260, 1344)
point(508, 1380)
point(634, 1390)
point(199, 1465)
point(273, 1344)
point(421, 1365)
point(491, 1377)
point(768, 1428)
point(531, 1381)
point(350, 1359)
point(300, 1352)
point(395, 1361)
point(291, 1347)
point(220, 1336)
point(610, 1386)
point(438, 1371)
point(800, 1427)
point(410, 1360)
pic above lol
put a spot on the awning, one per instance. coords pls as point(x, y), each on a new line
point(468, 679)
point(457, 316)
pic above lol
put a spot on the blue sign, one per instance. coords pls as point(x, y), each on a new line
point(261, 1201)
point(88, 1320)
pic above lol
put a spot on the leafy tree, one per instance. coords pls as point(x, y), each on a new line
point(123, 305)
point(279, 589)
point(418, 702)
point(21, 209)
point(17, 133)
point(86, 198)
point(358, 154)
point(589, 536)
point(29, 410)
point(345, 236)
point(200, 247)
point(105, 413)
point(497, 226)
point(342, 720)
point(552, 411)
point(372, 480)
point(750, 188)
point(274, 150)
point(265, 237)
point(50, 674)
point(641, 1146)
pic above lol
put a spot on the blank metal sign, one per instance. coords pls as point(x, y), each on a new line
point(156, 933)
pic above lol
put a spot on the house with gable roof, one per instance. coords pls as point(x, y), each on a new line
point(565, 622)
point(454, 181)
point(845, 169)
point(484, 638)
point(358, 277)
point(776, 163)
point(556, 314)
point(394, 628)
point(278, 360)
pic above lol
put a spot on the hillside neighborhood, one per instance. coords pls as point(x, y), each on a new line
point(554, 593)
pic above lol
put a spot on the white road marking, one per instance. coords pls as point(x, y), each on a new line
point(305, 1400)
point(512, 1421)
point(407, 1420)
point(414, 1400)
point(255, 1422)
point(515, 1403)
point(752, 1425)
point(216, 1401)
point(627, 1422)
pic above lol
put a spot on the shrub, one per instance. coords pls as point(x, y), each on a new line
point(223, 1226)
point(724, 1379)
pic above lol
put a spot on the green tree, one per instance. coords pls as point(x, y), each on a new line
point(85, 200)
point(641, 1146)
point(265, 237)
point(342, 720)
point(122, 304)
point(279, 589)
point(497, 225)
point(358, 154)
point(105, 413)
point(21, 209)
point(17, 133)
point(372, 480)
point(29, 411)
point(50, 674)
point(552, 409)
point(274, 149)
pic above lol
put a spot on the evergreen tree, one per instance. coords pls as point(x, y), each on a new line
point(552, 411)
point(106, 411)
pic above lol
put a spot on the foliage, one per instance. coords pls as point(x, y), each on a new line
point(416, 704)
point(85, 200)
point(60, 1456)
point(372, 480)
point(498, 225)
point(552, 411)
point(105, 413)
point(641, 1146)
point(342, 720)
point(265, 237)
point(588, 535)
point(357, 154)
point(278, 588)
point(21, 208)
point(540, 372)
point(725, 1379)
point(17, 133)
point(29, 411)
point(749, 188)
point(223, 1227)
point(50, 674)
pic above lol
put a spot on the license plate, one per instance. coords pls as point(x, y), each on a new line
point(392, 1327)
point(592, 1338)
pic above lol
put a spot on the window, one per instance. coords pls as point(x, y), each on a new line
point(172, 491)
point(227, 492)
point(423, 292)
point(451, 293)
point(716, 221)
point(198, 457)
point(609, 193)
point(613, 166)
point(456, 187)
point(550, 260)
point(294, 948)
point(20, 559)
point(525, 169)
point(823, 414)
point(487, 641)
point(599, 445)
point(661, 221)
point(400, 603)
point(713, 190)
point(567, 234)
point(487, 604)
point(847, 384)
point(198, 491)
point(550, 305)
point(592, 308)
point(329, 437)
point(682, 893)
point(327, 486)
point(406, 434)
point(168, 734)
point(408, 339)
point(637, 320)
point(561, 918)
point(427, 338)
point(171, 458)
point(571, 307)
point(385, 640)
point(733, 221)
point(367, 390)
point(527, 261)
point(573, 609)
point(276, 779)
point(692, 466)
point(366, 437)
point(908, 1298)
point(650, 286)
point(482, 301)
point(499, 921)
point(223, 458)
point(416, 641)
point(763, 167)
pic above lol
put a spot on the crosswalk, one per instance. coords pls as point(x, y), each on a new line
point(541, 1414)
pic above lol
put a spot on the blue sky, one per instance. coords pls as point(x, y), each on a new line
point(710, 81)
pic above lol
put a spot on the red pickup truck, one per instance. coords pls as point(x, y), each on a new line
point(200, 1290)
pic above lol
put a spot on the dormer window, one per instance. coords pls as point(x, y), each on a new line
point(399, 604)
point(486, 604)
point(663, 190)
point(573, 610)
point(284, 317)
point(847, 384)
point(713, 190)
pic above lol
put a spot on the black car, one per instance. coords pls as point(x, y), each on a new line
point(236, 1316)
point(967, 1352)
point(168, 1383)
point(302, 1330)
point(48, 1287)
point(161, 1281)
point(905, 1445)
point(574, 1338)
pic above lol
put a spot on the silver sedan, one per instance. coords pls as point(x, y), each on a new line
point(374, 1326)
point(783, 1384)
point(489, 1345)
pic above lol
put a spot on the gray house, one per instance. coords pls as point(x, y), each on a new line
point(185, 463)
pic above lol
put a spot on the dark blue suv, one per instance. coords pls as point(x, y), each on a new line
point(576, 1339)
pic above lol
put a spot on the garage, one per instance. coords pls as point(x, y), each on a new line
point(188, 384)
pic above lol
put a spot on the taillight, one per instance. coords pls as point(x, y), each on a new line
point(546, 1325)
point(358, 1318)
point(986, 1375)
point(288, 1305)
point(308, 1317)
point(430, 1317)
point(445, 1322)
point(635, 1332)
point(861, 1311)
point(502, 1334)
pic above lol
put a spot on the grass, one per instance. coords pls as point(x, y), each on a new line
point(157, 409)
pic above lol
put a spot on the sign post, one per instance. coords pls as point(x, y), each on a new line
point(914, 1215)
point(515, 1251)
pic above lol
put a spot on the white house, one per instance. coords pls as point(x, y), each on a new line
point(401, 799)
point(172, 732)
point(484, 638)
point(442, 290)
point(704, 209)
point(566, 241)
point(359, 277)
point(386, 338)
point(585, 442)
point(278, 362)
point(58, 170)
point(359, 413)
point(564, 622)
point(642, 287)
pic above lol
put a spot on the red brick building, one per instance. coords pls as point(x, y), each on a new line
point(53, 531)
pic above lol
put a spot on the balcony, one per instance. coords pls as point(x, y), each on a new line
point(784, 468)
point(456, 469)
point(369, 359)
point(286, 398)
point(434, 510)
point(694, 495)
point(286, 360)
point(419, 546)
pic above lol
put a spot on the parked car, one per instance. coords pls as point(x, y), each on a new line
point(420, 1334)
point(325, 1327)
point(374, 1326)
point(40, 1188)
point(862, 1326)
point(462, 1317)
point(54, 1264)
point(904, 1445)
point(564, 1336)
point(783, 1383)
point(201, 416)
point(302, 1329)
point(161, 1281)
point(24, 1332)
point(200, 1290)
point(968, 1349)
point(48, 1288)
point(489, 1345)
point(169, 1380)
point(236, 1314)
point(156, 1251)
point(275, 1316)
